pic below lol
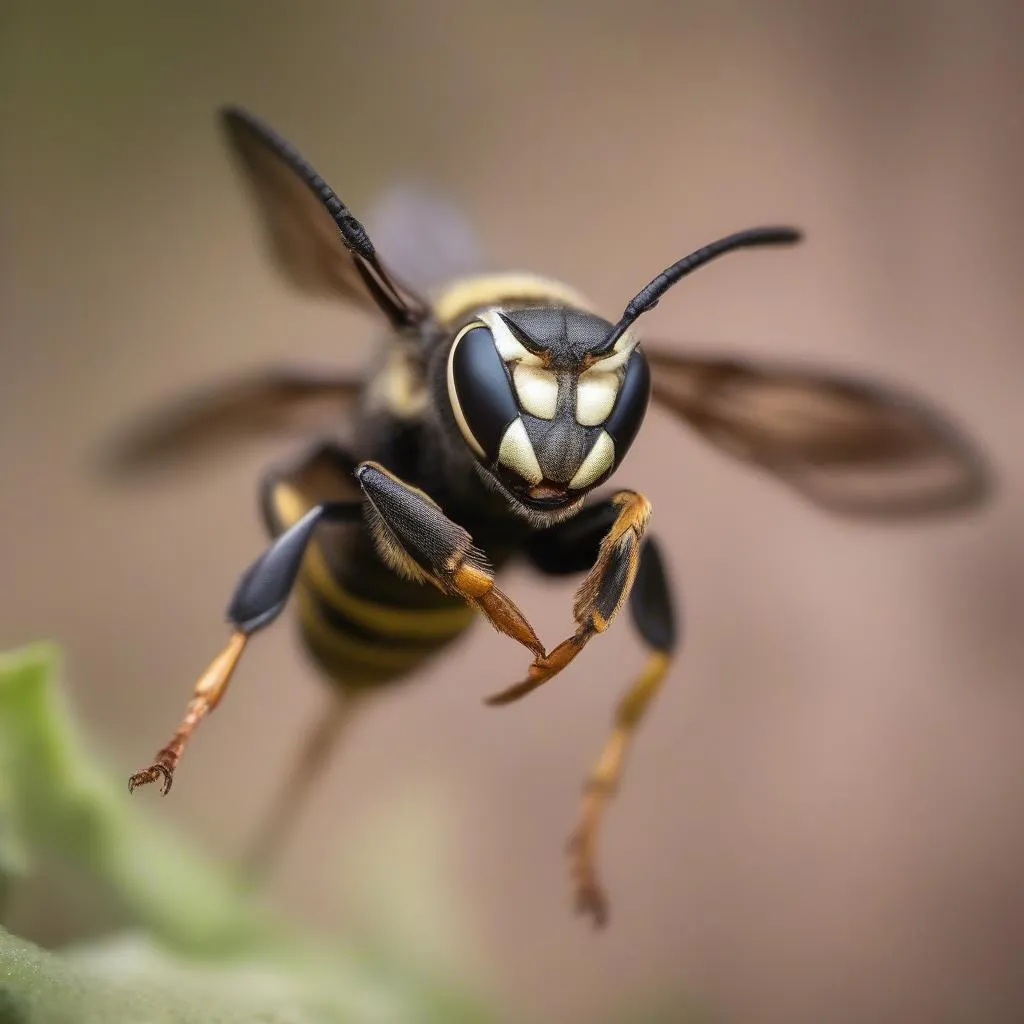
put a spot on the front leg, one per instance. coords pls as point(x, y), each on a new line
point(419, 541)
point(600, 596)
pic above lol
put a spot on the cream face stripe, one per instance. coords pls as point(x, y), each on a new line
point(516, 453)
point(453, 397)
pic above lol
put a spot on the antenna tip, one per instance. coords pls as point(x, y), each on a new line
point(787, 235)
point(783, 235)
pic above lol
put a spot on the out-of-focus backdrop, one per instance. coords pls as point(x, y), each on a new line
point(823, 818)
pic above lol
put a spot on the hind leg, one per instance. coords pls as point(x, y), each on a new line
point(571, 548)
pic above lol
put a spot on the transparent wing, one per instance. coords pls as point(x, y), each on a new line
point(852, 446)
point(275, 403)
point(313, 238)
point(428, 239)
point(322, 250)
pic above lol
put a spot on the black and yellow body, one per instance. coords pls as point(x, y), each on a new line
point(365, 624)
point(498, 404)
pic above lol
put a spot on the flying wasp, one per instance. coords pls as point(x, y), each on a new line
point(498, 404)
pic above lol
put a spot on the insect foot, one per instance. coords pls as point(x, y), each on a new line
point(589, 895)
point(151, 774)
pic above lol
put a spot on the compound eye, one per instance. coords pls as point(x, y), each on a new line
point(480, 391)
point(630, 405)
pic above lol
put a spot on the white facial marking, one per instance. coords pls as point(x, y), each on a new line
point(516, 453)
point(620, 353)
point(595, 395)
point(537, 390)
point(598, 459)
point(453, 396)
point(510, 348)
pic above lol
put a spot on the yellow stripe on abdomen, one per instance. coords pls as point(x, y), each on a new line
point(353, 660)
point(360, 642)
point(428, 623)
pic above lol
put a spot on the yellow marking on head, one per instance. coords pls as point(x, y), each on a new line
point(597, 461)
point(537, 390)
point(509, 347)
point(466, 294)
point(621, 351)
point(596, 392)
point(516, 453)
point(453, 395)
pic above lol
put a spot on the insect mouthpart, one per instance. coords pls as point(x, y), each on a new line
point(544, 496)
point(548, 494)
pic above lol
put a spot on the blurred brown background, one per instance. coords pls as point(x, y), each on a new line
point(823, 818)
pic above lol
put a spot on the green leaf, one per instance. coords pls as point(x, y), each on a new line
point(132, 981)
point(204, 950)
point(59, 800)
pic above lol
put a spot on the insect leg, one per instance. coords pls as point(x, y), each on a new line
point(570, 548)
point(288, 492)
point(600, 596)
point(259, 598)
point(314, 752)
point(420, 542)
point(655, 620)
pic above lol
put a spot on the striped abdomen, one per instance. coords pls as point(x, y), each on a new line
point(362, 623)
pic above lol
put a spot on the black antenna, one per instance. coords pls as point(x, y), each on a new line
point(649, 296)
point(247, 131)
